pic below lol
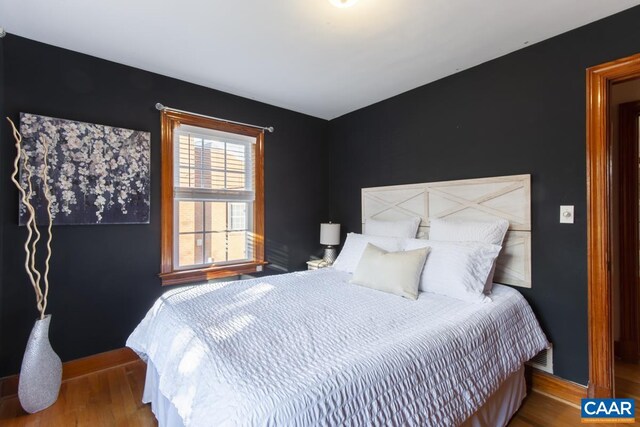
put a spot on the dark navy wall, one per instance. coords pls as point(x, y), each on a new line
point(521, 113)
point(104, 278)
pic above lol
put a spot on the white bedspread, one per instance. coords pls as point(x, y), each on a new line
point(309, 348)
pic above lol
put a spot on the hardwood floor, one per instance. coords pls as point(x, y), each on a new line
point(112, 398)
point(628, 382)
point(539, 410)
point(107, 398)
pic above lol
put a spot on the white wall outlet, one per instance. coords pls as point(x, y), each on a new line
point(259, 268)
point(566, 214)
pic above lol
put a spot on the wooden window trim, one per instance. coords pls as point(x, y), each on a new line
point(179, 277)
point(170, 276)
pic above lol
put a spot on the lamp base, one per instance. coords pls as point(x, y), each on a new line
point(330, 255)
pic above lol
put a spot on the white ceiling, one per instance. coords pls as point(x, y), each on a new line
point(304, 55)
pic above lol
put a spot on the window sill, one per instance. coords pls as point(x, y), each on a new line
point(217, 272)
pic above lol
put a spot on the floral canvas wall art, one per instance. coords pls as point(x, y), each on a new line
point(97, 174)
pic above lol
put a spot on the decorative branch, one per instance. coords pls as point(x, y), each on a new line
point(32, 215)
point(30, 246)
point(47, 196)
point(23, 197)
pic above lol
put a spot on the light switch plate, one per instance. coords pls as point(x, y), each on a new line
point(566, 214)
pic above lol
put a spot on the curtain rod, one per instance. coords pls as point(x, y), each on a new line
point(161, 107)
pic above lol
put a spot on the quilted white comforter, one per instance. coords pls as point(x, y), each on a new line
point(309, 348)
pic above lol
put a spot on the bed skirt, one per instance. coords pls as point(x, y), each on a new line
point(502, 405)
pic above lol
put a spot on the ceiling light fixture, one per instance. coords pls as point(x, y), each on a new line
point(343, 3)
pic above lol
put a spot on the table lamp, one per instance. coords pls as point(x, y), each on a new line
point(330, 236)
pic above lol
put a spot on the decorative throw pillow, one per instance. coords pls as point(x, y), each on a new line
point(354, 246)
point(396, 273)
point(399, 228)
point(471, 231)
point(456, 269)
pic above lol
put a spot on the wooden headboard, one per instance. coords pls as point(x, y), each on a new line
point(507, 197)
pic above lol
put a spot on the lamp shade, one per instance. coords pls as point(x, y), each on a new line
point(329, 234)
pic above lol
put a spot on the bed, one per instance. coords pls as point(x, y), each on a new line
point(310, 348)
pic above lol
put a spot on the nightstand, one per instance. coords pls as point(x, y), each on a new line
point(315, 264)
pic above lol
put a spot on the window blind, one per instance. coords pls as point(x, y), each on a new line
point(212, 164)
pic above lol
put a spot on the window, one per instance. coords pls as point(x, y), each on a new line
point(212, 198)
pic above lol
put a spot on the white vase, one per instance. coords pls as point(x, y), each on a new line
point(41, 371)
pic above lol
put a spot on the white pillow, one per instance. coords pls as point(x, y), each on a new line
point(471, 231)
point(400, 228)
point(354, 246)
point(456, 269)
point(468, 231)
point(396, 273)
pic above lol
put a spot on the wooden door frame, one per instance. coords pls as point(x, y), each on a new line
point(628, 114)
point(599, 159)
